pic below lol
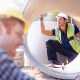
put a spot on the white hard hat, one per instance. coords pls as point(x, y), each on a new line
point(62, 15)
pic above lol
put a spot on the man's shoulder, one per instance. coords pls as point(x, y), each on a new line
point(4, 56)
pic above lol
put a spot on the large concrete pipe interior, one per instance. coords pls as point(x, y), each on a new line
point(35, 41)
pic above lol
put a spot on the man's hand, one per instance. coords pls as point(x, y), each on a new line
point(77, 36)
point(43, 30)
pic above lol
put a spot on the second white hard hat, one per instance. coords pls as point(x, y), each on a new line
point(62, 15)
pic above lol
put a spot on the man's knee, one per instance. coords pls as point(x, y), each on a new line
point(51, 42)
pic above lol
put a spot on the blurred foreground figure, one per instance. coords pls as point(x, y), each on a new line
point(11, 37)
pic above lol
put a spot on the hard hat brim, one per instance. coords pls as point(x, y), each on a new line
point(16, 14)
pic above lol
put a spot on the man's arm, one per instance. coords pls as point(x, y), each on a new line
point(9, 71)
point(77, 32)
point(19, 75)
point(46, 32)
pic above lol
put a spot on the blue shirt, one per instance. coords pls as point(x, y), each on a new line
point(65, 40)
point(8, 69)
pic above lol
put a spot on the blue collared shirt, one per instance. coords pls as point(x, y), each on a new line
point(9, 70)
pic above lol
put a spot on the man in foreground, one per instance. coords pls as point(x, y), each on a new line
point(11, 36)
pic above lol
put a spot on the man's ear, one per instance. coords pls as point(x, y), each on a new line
point(2, 28)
